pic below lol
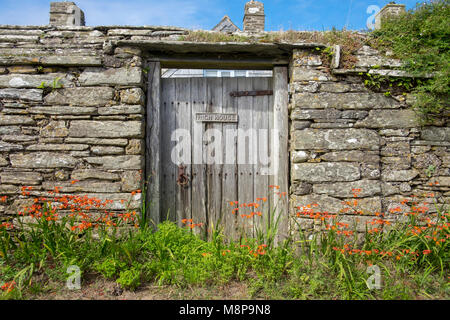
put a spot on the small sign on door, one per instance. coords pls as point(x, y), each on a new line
point(216, 117)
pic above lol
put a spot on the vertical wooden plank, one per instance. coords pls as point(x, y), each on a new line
point(280, 113)
point(198, 184)
point(183, 122)
point(153, 147)
point(271, 152)
point(245, 153)
point(169, 169)
point(229, 174)
point(214, 152)
point(261, 125)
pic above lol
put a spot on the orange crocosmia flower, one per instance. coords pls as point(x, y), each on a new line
point(425, 252)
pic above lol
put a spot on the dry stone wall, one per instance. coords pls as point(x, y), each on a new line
point(346, 137)
point(72, 109)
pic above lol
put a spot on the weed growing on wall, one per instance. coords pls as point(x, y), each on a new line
point(420, 37)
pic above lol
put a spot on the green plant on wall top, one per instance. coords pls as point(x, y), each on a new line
point(420, 37)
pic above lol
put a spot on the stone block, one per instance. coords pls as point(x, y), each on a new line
point(392, 119)
point(399, 175)
point(108, 150)
point(57, 147)
point(325, 172)
point(42, 160)
point(369, 188)
point(86, 174)
point(304, 74)
point(3, 162)
point(336, 139)
point(7, 147)
point(115, 77)
point(131, 181)
point(128, 162)
point(20, 178)
point(83, 186)
point(106, 129)
point(9, 120)
point(307, 114)
point(123, 109)
point(81, 96)
point(132, 96)
point(135, 146)
point(436, 134)
point(32, 81)
point(62, 110)
point(55, 129)
point(32, 95)
point(351, 156)
point(344, 101)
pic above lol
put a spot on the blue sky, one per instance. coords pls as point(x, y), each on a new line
point(203, 14)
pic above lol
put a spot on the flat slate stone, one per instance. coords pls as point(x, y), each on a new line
point(85, 174)
point(42, 160)
point(69, 61)
point(6, 147)
point(351, 156)
point(21, 178)
point(325, 172)
point(57, 147)
point(336, 139)
point(116, 76)
point(368, 188)
point(114, 110)
point(399, 175)
point(3, 162)
point(108, 150)
point(95, 141)
point(389, 119)
point(344, 101)
point(106, 129)
point(83, 186)
point(81, 96)
point(8, 120)
point(63, 110)
point(128, 162)
point(436, 134)
point(32, 81)
point(33, 95)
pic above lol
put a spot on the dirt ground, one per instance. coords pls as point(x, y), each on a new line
point(102, 289)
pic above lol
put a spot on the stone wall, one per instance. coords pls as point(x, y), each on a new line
point(72, 108)
point(346, 137)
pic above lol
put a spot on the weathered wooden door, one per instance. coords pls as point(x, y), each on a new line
point(216, 148)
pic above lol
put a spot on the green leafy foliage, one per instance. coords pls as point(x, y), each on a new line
point(421, 38)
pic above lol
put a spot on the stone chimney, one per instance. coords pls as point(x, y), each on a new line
point(391, 9)
point(66, 14)
point(254, 17)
